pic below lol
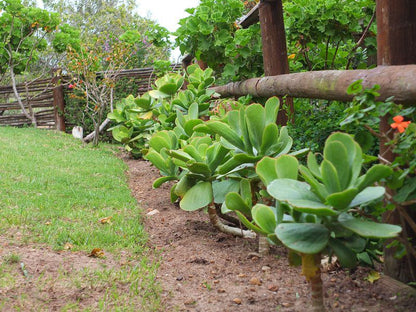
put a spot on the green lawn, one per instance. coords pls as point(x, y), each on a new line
point(54, 190)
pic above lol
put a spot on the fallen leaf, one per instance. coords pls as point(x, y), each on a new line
point(372, 276)
point(96, 253)
point(106, 220)
point(237, 300)
point(68, 246)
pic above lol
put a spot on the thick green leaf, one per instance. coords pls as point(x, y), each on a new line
point(190, 124)
point(264, 217)
point(199, 196)
point(271, 109)
point(193, 111)
point(215, 155)
point(270, 136)
point(156, 94)
point(341, 201)
point(299, 195)
point(336, 153)
point(237, 160)
point(193, 152)
point(184, 184)
point(199, 168)
point(173, 196)
point(330, 177)
point(288, 190)
point(312, 207)
point(354, 152)
point(306, 238)
point(181, 155)
point(283, 144)
point(246, 191)
point(355, 243)
point(345, 255)
point(248, 224)
point(157, 160)
point(235, 202)
point(287, 167)
point(367, 195)
point(226, 132)
point(168, 88)
point(313, 166)
point(161, 139)
point(374, 174)
point(158, 182)
point(266, 170)
point(368, 228)
point(317, 187)
point(244, 130)
point(255, 120)
point(222, 188)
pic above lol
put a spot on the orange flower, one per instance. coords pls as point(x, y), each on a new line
point(399, 124)
point(292, 56)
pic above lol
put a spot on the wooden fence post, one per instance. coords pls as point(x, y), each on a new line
point(59, 104)
point(274, 47)
point(396, 45)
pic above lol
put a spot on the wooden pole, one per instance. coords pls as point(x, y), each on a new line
point(274, 46)
point(397, 81)
point(59, 104)
point(396, 45)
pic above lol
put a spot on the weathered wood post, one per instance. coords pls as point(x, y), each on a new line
point(274, 46)
point(396, 45)
point(58, 103)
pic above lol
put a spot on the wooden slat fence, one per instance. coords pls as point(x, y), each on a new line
point(38, 95)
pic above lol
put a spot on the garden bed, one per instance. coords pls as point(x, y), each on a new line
point(204, 270)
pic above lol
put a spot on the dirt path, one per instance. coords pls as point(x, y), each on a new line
point(203, 270)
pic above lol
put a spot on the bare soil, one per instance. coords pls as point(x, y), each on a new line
point(204, 270)
point(200, 270)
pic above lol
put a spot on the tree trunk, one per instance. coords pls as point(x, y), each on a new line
point(91, 136)
point(216, 222)
point(397, 81)
point(31, 116)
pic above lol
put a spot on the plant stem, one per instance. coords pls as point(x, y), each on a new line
point(264, 246)
point(216, 222)
point(311, 269)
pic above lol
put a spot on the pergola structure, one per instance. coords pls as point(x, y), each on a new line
point(396, 51)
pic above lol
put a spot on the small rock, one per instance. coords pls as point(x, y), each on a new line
point(273, 288)
point(255, 281)
point(242, 275)
point(265, 268)
point(153, 212)
point(237, 300)
point(286, 304)
point(393, 298)
point(215, 281)
point(333, 280)
point(221, 290)
point(179, 278)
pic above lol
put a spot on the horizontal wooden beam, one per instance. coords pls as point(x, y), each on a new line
point(397, 81)
point(251, 17)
